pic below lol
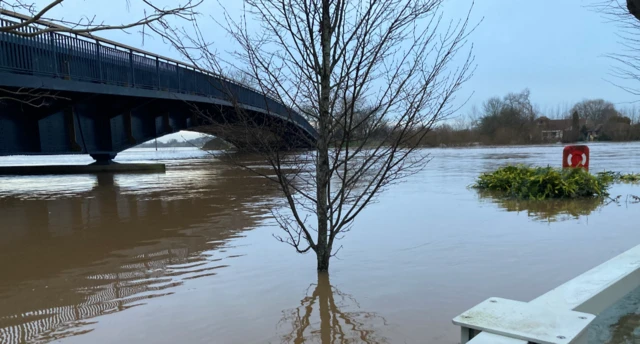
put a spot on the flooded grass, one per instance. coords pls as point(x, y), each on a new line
point(630, 178)
point(540, 183)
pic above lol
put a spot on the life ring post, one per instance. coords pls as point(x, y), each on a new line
point(575, 156)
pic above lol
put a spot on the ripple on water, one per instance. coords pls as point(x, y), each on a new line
point(74, 248)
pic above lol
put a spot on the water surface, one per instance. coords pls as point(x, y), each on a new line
point(189, 255)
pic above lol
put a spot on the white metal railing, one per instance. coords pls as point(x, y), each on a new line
point(562, 315)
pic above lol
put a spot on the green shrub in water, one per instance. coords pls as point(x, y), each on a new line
point(618, 177)
point(630, 178)
point(540, 183)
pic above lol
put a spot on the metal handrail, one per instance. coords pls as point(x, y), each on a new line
point(85, 57)
point(99, 40)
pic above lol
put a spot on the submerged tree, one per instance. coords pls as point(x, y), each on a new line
point(371, 76)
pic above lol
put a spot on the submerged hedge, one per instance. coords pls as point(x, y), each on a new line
point(631, 178)
point(539, 183)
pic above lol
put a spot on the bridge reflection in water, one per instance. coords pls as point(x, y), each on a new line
point(69, 256)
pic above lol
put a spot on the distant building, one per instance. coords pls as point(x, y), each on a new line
point(556, 129)
point(594, 132)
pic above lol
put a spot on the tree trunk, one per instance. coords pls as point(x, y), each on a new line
point(575, 127)
point(323, 251)
point(634, 7)
point(323, 259)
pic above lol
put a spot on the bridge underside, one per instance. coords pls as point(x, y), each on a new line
point(91, 96)
point(104, 124)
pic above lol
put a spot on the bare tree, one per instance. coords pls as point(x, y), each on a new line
point(29, 97)
point(596, 110)
point(508, 120)
point(474, 116)
point(625, 14)
point(632, 112)
point(560, 111)
point(386, 65)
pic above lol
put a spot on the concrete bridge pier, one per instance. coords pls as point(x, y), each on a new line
point(104, 158)
point(107, 97)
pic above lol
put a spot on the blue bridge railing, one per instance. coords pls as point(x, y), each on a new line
point(92, 59)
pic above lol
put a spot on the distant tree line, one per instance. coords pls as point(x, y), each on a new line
point(513, 119)
point(510, 120)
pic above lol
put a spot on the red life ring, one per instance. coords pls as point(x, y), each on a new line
point(576, 156)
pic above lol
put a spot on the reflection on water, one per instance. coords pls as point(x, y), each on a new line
point(330, 316)
point(67, 256)
point(625, 331)
point(189, 255)
point(552, 210)
point(619, 324)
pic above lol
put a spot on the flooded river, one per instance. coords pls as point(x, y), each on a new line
point(189, 256)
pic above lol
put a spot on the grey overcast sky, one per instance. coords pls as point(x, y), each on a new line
point(555, 48)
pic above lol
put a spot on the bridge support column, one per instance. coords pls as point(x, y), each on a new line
point(104, 158)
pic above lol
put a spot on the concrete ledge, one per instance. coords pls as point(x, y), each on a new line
point(82, 169)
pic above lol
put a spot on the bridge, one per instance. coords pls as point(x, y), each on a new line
point(78, 94)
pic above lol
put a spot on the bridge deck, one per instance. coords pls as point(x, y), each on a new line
point(76, 64)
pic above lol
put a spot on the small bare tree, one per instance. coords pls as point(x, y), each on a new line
point(372, 76)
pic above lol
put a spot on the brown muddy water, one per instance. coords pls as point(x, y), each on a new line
point(189, 256)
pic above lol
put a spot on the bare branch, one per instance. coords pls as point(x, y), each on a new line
point(624, 14)
point(372, 77)
point(30, 97)
point(20, 18)
point(85, 25)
